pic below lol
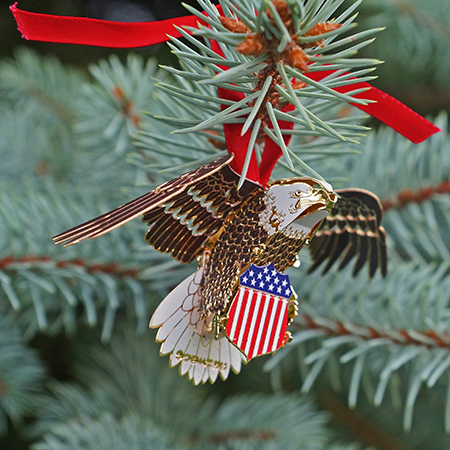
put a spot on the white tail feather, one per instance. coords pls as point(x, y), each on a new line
point(202, 357)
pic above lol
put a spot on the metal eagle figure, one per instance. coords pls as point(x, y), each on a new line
point(203, 215)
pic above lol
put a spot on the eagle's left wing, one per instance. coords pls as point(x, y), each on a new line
point(182, 213)
point(352, 230)
point(113, 219)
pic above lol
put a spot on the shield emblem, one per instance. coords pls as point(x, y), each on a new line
point(258, 316)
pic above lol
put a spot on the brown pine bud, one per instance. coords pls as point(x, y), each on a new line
point(299, 85)
point(253, 44)
point(322, 28)
point(235, 26)
point(319, 29)
point(295, 57)
point(283, 11)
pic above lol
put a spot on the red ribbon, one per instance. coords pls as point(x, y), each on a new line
point(100, 33)
point(238, 144)
point(387, 109)
point(79, 30)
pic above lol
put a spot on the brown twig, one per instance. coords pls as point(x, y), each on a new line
point(30, 260)
point(127, 107)
point(360, 426)
point(401, 337)
point(242, 435)
point(415, 196)
point(3, 388)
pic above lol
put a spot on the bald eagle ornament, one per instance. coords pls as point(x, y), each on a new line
point(237, 304)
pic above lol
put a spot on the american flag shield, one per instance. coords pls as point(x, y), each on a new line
point(258, 316)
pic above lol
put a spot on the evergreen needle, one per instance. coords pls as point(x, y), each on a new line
point(293, 96)
point(248, 155)
point(257, 105)
point(230, 75)
point(324, 88)
point(278, 138)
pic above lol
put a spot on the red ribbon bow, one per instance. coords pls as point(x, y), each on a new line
point(102, 33)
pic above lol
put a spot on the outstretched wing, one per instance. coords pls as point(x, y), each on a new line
point(181, 213)
point(352, 230)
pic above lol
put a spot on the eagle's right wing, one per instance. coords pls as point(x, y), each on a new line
point(352, 230)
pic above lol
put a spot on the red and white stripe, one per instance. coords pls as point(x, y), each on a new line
point(257, 322)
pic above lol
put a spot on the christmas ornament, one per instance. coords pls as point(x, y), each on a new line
point(243, 230)
point(211, 322)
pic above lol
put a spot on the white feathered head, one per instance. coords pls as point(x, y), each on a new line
point(297, 206)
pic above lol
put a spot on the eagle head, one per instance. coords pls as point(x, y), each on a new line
point(297, 206)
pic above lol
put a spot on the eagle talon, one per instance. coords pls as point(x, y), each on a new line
point(287, 338)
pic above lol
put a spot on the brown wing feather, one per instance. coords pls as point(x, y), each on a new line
point(168, 235)
point(182, 225)
point(352, 230)
point(129, 211)
point(181, 214)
